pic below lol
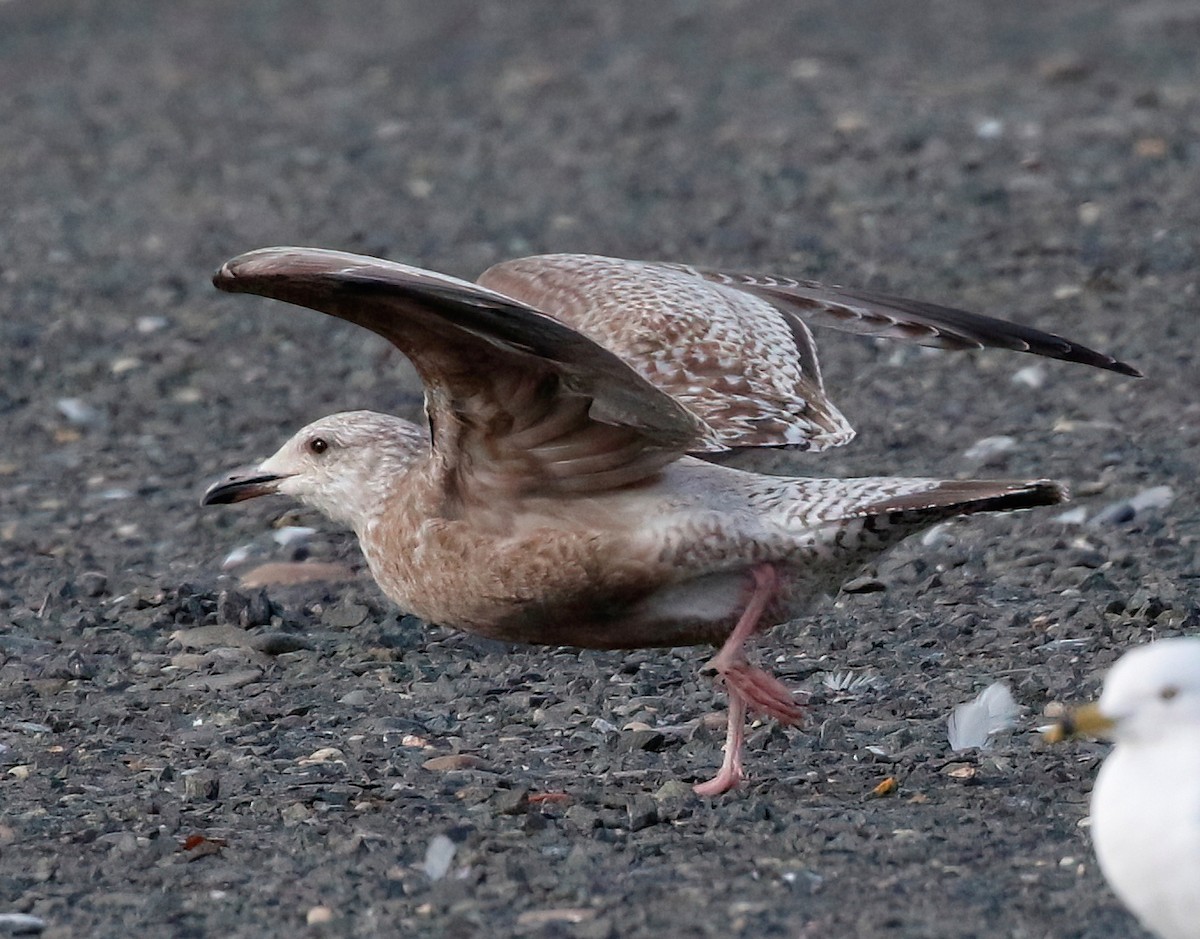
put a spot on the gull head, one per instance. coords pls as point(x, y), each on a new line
point(1152, 693)
point(343, 466)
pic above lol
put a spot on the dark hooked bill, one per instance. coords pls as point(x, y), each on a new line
point(239, 486)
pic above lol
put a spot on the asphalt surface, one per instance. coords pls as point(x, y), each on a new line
point(182, 754)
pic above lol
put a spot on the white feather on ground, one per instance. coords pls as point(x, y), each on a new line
point(976, 723)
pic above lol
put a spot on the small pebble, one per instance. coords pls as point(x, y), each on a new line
point(276, 642)
point(650, 740)
point(538, 918)
point(439, 855)
point(1031, 376)
point(236, 556)
point(78, 412)
point(292, 535)
point(318, 915)
point(1119, 513)
point(510, 801)
point(21, 924)
point(989, 129)
point(201, 786)
point(452, 762)
point(324, 755)
point(986, 450)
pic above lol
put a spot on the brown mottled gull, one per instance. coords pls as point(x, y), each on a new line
point(564, 492)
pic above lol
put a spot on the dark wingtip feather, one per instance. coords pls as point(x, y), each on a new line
point(968, 496)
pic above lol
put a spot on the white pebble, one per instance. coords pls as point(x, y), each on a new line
point(21, 924)
point(292, 535)
point(236, 556)
point(1156, 497)
point(989, 129)
point(78, 411)
point(1031, 376)
point(988, 448)
point(438, 857)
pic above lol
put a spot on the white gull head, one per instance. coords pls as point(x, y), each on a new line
point(1153, 692)
point(343, 465)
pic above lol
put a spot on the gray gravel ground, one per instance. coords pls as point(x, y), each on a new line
point(184, 755)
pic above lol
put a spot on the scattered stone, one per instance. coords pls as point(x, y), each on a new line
point(290, 573)
point(93, 583)
point(276, 642)
point(539, 918)
point(201, 786)
point(21, 924)
point(648, 739)
point(292, 536)
point(346, 615)
point(453, 762)
point(29, 727)
point(79, 412)
point(324, 755)
point(237, 556)
point(989, 129)
point(1126, 510)
point(964, 772)
point(865, 583)
point(510, 801)
point(212, 637)
point(439, 855)
point(318, 916)
point(225, 681)
point(674, 789)
point(988, 450)
point(1031, 376)
point(643, 812)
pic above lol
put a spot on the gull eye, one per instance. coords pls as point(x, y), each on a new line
point(1169, 692)
point(318, 445)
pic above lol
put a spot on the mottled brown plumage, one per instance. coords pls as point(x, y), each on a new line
point(555, 500)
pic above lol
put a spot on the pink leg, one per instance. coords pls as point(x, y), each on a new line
point(730, 773)
point(747, 686)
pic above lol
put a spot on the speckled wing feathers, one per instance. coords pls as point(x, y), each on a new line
point(872, 314)
point(810, 503)
point(730, 357)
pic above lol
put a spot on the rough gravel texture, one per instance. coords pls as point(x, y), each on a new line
point(184, 755)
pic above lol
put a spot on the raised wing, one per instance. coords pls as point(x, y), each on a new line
point(516, 400)
point(872, 314)
point(736, 348)
point(746, 369)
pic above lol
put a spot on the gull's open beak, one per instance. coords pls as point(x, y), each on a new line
point(1085, 721)
point(241, 485)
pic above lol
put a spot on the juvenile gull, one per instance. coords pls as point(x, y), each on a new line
point(1146, 800)
point(564, 491)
